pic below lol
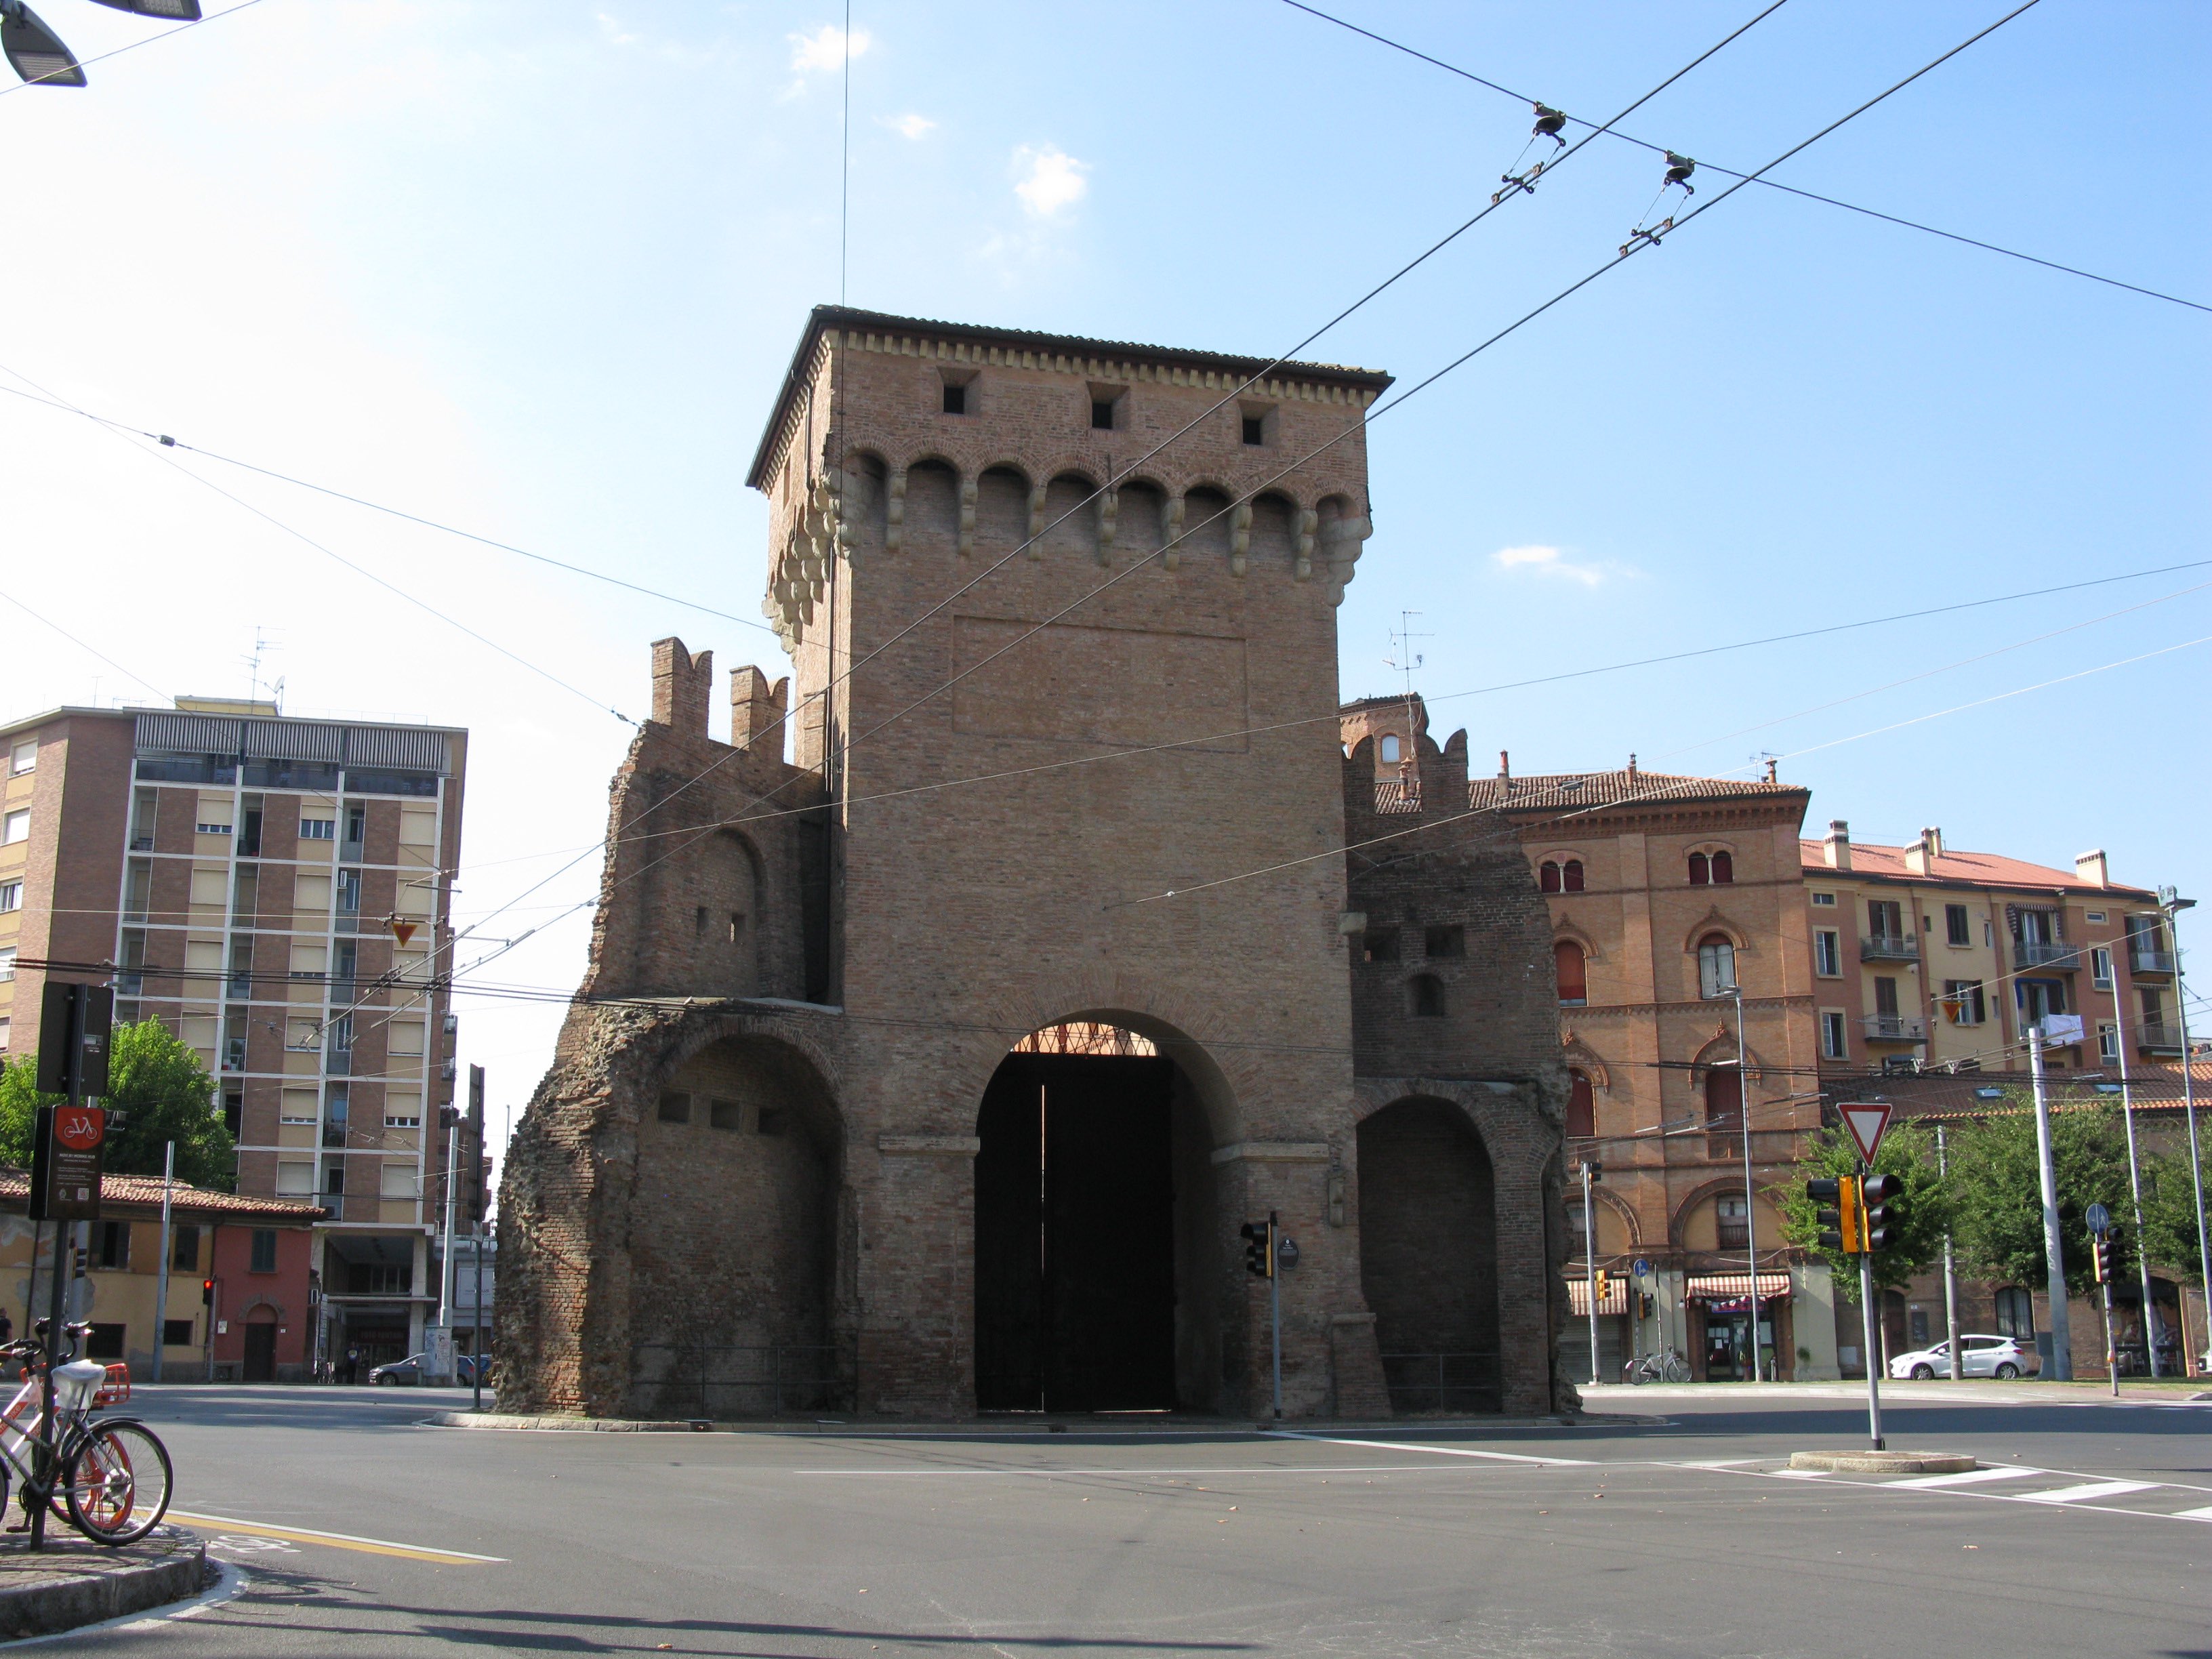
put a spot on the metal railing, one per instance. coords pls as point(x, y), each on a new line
point(1889, 947)
point(1441, 1381)
point(691, 1379)
point(2149, 962)
point(1895, 1028)
point(2046, 953)
point(2157, 1037)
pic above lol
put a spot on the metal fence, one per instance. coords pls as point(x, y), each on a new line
point(1441, 1381)
point(689, 1379)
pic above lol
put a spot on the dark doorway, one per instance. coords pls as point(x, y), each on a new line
point(1428, 1254)
point(1075, 1283)
point(261, 1353)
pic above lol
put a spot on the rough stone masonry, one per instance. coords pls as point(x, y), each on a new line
point(1061, 756)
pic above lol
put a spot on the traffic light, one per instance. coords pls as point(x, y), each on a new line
point(1843, 1225)
point(1604, 1286)
point(1881, 1198)
point(207, 1293)
point(2105, 1252)
point(1647, 1306)
point(1594, 1169)
point(1259, 1255)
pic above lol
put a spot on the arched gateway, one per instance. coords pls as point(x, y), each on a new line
point(946, 1018)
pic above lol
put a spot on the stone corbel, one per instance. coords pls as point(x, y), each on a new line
point(1109, 508)
point(1342, 546)
point(1037, 522)
point(1171, 539)
point(1302, 568)
point(1240, 538)
point(967, 517)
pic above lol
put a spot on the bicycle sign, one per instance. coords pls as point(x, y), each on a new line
point(65, 1163)
point(80, 1128)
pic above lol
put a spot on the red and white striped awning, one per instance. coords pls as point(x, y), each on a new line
point(1732, 1287)
point(1614, 1301)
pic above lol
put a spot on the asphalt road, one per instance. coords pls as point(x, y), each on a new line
point(1677, 1533)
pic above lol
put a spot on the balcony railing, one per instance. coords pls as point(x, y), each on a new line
point(2046, 953)
point(1895, 1028)
point(2156, 1037)
point(233, 1053)
point(1889, 947)
point(2149, 962)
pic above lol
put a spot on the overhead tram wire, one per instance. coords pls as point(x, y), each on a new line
point(169, 443)
point(1367, 417)
point(1772, 184)
point(166, 35)
point(1227, 397)
point(302, 536)
point(1657, 793)
point(90, 650)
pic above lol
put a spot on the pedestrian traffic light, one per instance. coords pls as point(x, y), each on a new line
point(1842, 1224)
point(2105, 1252)
point(1259, 1256)
point(207, 1293)
point(1882, 1200)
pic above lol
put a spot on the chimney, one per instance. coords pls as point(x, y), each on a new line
point(1771, 762)
point(1504, 764)
point(2091, 867)
point(1631, 768)
point(680, 684)
point(1920, 857)
point(756, 712)
point(1836, 848)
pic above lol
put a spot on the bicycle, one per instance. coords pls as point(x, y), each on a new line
point(113, 1477)
point(1667, 1367)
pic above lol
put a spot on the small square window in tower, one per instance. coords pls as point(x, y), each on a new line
point(959, 397)
point(1101, 416)
point(1256, 430)
point(1445, 941)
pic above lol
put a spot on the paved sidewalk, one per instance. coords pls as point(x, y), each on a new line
point(74, 1581)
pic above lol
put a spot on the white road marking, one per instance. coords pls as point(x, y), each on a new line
point(1440, 1451)
point(2194, 1515)
point(2088, 1492)
point(1216, 1471)
point(1969, 1478)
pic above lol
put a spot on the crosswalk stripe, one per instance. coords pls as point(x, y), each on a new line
point(2088, 1492)
point(1969, 1478)
point(2204, 1514)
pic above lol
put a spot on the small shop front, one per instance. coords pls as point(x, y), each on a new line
point(1720, 1321)
point(1615, 1338)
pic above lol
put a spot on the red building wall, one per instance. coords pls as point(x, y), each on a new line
point(245, 1297)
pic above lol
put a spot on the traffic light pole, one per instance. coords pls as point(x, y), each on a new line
point(2054, 1249)
point(1275, 1311)
point(1873, 1336)
point(1950, 1275)
point(1590, 1266)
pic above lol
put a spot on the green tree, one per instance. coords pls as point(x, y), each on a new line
point(2170, 1218)
point(1996, 1193)
point(164, 1093)
point(1908, 1151)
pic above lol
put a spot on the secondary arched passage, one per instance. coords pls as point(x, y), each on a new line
point(1428, 1249)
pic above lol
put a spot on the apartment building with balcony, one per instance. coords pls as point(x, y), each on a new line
point(1925, 957)
point(275, 891)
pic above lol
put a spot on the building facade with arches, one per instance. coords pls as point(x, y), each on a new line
point(944, 1023)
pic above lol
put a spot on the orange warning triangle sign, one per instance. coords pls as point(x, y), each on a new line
point(1869, 1121)
point(402, 931)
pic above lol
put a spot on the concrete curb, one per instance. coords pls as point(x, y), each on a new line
point(1884, 1462)
point(90, 1582)
point(891, 1428)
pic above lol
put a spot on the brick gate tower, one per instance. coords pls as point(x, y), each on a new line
point(935, 1067)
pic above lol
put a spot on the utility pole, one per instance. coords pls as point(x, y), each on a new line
point(1950, 1274)
point(2135, 1190)
point(1750, 1213)
point(446, 1260)
point(1589, 1268)
point(1275, 1311)
point(2054, 1249)
point(478, 1347)
point(161, 1264)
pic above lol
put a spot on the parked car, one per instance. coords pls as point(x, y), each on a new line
point(2001, 1357)
point(464, 1368)
point(408, 1371)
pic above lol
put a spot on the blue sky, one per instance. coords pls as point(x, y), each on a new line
point(535, 269)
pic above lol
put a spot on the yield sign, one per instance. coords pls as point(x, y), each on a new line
point(1869, 1121)
point(402, 931)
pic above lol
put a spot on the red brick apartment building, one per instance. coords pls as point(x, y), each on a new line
point(275, 891)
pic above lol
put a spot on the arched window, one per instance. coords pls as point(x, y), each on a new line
point(1548, 876)
point(1574, 978)
point(1428, 996)
point(1391, 747)
point(1715, 965)
point(1558, 877)
point(1724, 868)
point(1581, 1105)
point(1571, 870)
point(1701, 871)
point(1723, 1099)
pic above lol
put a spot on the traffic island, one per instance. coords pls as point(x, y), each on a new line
point(1883, 1462)
point(73, 1582)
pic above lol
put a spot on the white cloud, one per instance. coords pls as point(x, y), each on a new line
point(909, 126)
point(1049, 179)
point(825, 49)
point(615, 34)
point(1552, 562)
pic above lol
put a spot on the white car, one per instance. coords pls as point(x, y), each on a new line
point(2001, 1357)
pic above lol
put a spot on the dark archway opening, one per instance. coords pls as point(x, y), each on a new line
point(1084, 1185)
point(1428, 1252)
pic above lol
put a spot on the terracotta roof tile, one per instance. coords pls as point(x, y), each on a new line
point(1955, 869)
point(16, 1189)
point(1621, 788)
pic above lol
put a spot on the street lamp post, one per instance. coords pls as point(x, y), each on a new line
point(2173, 904)
point(36, 53)
point(1733, 991)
